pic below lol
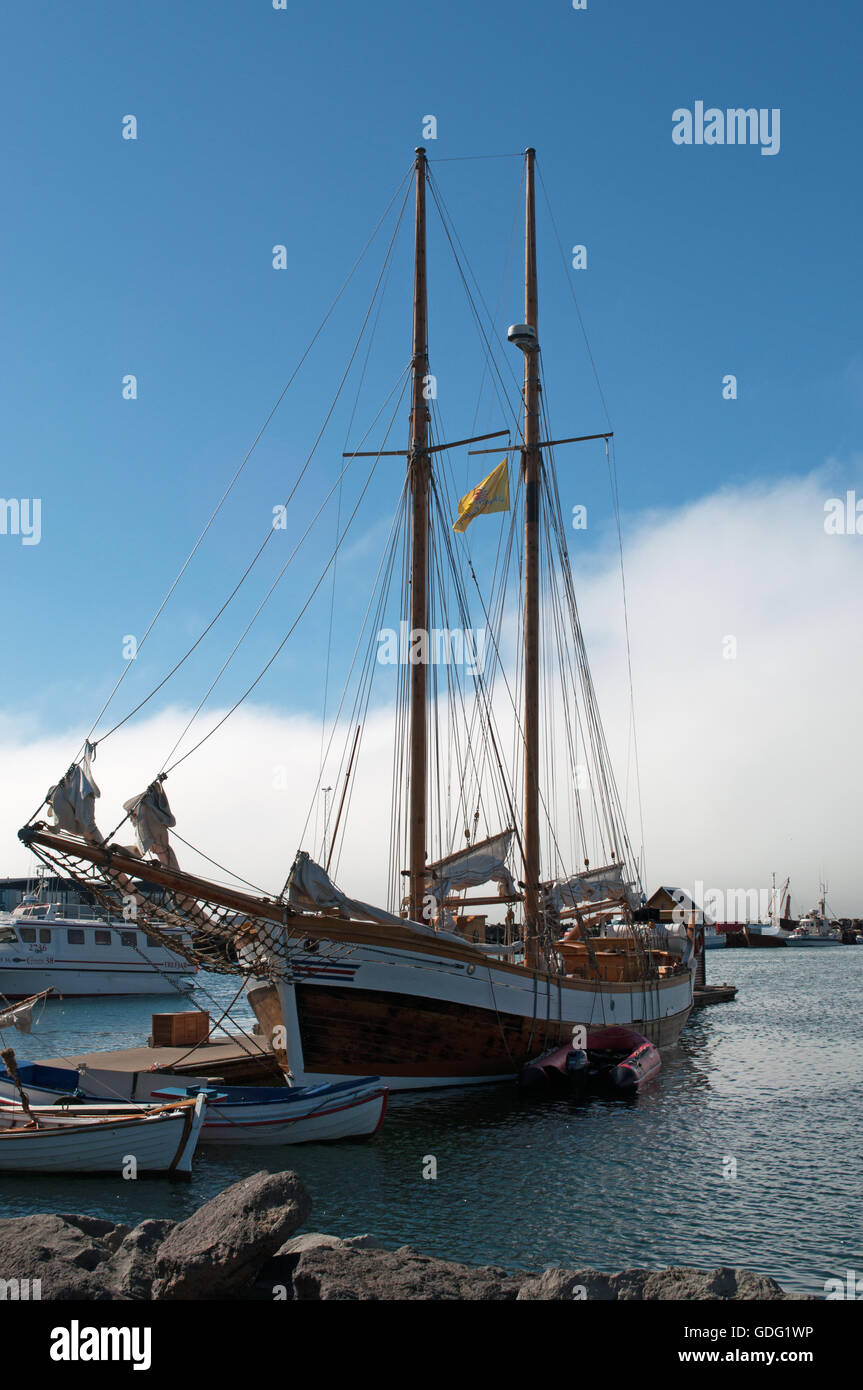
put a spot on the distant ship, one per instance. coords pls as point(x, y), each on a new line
point(814, 928)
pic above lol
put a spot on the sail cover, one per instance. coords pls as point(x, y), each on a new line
point(73, 800)
point(482, 863)
point(310, 886)
point(20, 1017)
point(151, 816)
point(593, 886)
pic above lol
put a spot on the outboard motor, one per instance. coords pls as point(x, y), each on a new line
point(577, 1067)
point(566, 1066)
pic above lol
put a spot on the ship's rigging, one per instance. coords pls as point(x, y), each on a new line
point(515, 744)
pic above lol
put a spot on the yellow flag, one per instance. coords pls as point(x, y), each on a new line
point(491, 495)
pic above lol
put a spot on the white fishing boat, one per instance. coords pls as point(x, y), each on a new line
point(812, 932)
point(235, 1115)
point(157, 1140)
point(78, 952)
point(419, 991)
point(814, 929)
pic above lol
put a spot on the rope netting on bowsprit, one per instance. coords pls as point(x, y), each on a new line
point(203, 932)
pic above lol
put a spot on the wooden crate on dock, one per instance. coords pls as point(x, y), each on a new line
point(180, 1030)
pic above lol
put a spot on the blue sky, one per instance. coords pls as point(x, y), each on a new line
point(258, 127)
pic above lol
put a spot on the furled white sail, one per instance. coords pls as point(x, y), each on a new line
point(20, 1016)
point(73, 800)
point(593, 886)
point(310, 886)
point(152, 817)
point(482, 863)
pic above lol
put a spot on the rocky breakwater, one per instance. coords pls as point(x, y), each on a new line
point(243, 1244)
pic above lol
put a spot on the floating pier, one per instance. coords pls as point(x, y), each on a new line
point(710, 994)
point(231, 1059)
point(714, 994)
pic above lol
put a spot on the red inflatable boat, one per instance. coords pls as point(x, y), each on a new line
point(614, 1059)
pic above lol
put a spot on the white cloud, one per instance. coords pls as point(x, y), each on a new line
point(753, 764)
point(242, 799)
point(748, 765)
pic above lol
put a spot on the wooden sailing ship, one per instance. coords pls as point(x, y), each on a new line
point(348, 990)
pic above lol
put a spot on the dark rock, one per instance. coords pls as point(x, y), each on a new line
point(709, 1284)
point(698, 1284)
point(242, 1244)
point(59, 1251)
point(94, 1226)
point(569, 1284)
point(222, 1246)
point(133, 1264)
point(277, 1274)
point(639, 1284)
point(750, 1285)
point(342, 1272)
point(316, 1240)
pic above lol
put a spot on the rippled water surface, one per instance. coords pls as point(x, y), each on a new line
point(772, 1083)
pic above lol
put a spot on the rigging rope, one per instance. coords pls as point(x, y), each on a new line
point(404, 181)
point(291, 629)
point(612, 468)
point(251, 450)
point(298, 546)
point(270, 529)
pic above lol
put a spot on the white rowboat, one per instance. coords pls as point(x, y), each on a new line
point(288, 1115)
point(139, 1140)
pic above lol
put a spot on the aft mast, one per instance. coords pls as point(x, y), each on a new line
point(418, 472)
point(531, 465)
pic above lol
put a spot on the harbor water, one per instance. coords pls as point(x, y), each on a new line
point(746, 1151)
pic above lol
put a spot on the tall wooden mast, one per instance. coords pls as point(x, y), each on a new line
point(531, 465)
point(418, 471)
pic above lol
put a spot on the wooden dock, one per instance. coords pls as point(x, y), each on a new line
point(714, 994)
point(235, 1060)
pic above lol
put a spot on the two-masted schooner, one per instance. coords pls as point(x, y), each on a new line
point(423, 993)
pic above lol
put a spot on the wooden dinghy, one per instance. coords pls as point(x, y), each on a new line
point(62, 1139)
point(252, 1115)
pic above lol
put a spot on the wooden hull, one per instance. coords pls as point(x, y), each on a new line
point(442, 1015)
